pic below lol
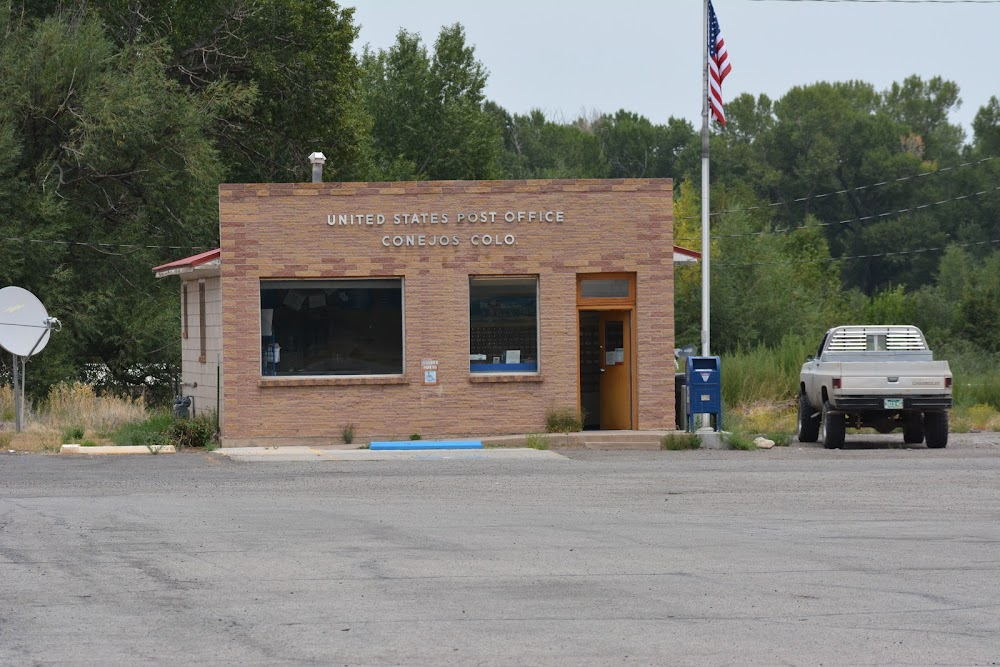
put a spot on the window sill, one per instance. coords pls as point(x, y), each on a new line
point(485, 378)
point(341, 381)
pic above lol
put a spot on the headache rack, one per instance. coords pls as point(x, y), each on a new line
point(876, 339)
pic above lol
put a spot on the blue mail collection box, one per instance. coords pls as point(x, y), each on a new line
point(704, 389)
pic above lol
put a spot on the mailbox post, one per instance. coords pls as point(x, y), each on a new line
point(704, 390)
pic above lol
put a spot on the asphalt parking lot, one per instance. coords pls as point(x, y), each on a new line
point(797, 555)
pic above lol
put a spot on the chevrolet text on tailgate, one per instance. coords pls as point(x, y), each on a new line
point(883, 377)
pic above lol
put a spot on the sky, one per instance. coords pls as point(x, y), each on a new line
point(582, 57)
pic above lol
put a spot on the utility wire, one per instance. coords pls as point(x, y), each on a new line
point(99, 246)
point(864, 218)
point(915, 251)
point(902, 2)
point(845, 191)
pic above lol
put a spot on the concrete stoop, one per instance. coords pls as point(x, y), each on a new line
point(601, 440)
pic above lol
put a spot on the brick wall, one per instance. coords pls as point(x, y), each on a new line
point(282, 231)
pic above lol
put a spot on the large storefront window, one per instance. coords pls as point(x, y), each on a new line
point(503, 324)
point(331, 327)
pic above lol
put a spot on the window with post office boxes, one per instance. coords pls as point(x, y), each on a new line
point(503, 324)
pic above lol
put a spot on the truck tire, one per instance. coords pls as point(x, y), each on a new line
point(913, 428)
point(832, 427)
point(936, 429)
point(808, 423)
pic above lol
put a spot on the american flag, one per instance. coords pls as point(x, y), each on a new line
point(718, 65)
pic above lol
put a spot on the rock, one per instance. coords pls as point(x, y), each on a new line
point(763, 443)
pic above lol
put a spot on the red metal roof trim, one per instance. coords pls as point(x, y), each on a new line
point(684, 251)
point(190, 262)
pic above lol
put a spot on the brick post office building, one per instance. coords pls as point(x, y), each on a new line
point(464, 308)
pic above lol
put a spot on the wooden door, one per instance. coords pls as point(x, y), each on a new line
point(615, 338)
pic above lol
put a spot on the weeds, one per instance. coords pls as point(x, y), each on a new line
point(195, 432)
point(72, 434)
point(347, 433)
point(149, 430)
point(739, 441)
point(537, 441)
point(564, 420)
point(680, 441)
point(79, 405)
point(416, 436)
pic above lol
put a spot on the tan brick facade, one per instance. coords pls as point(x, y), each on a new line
point(282, 231)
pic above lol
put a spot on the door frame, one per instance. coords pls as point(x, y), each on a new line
point(620, 303)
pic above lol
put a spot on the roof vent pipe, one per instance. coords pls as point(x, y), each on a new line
point(317, 160)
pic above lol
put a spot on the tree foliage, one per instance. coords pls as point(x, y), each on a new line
point(836, 202)
point(428, 110)
point(101, 156)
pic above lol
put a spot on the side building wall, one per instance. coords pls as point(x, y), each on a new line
point(200, 366)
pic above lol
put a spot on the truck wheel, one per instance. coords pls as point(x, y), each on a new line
point(808, 424)
point(936, 428)
point(913, 428)
point(832, 428)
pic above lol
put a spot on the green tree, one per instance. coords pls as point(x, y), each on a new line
point(535, 147)
point(279, 76)
point(429, 111)
point(635, 148)
point(104, 164)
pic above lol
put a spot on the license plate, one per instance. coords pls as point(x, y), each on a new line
point(893, 403)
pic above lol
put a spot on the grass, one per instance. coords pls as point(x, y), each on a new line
point(150, 430)
point(740, 441)
point(75, 413)
point(680, 441)
point(537, 441)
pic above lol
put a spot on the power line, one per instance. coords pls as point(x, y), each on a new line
point(902, 2)
point(864, 218)
point(844, 191)
point(99, 246)
point(915, 251)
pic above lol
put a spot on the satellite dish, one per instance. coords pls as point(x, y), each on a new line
point(24, 322)
point(24, 331)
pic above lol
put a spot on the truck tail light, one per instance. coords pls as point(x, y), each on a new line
point(836, 383)
point(947, 383)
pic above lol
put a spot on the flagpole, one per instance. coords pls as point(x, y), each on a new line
point(705, 246)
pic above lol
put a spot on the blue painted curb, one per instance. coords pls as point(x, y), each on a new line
point(426, 444)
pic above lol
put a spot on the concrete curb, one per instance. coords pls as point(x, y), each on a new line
point(123, 449)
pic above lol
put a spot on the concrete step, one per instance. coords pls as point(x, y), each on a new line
point(636, 440)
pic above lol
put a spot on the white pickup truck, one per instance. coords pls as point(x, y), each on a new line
point(883, 377)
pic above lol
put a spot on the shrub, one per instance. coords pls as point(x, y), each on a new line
point(347, 433)
point(152, 429)
point(680, 441)
point(196, 432)
point(740, 441)
point(563, 420)
point(416, 436)
point(72, 434)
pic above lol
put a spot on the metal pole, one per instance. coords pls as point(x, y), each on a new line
point(705, 244)
point(17, 395)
